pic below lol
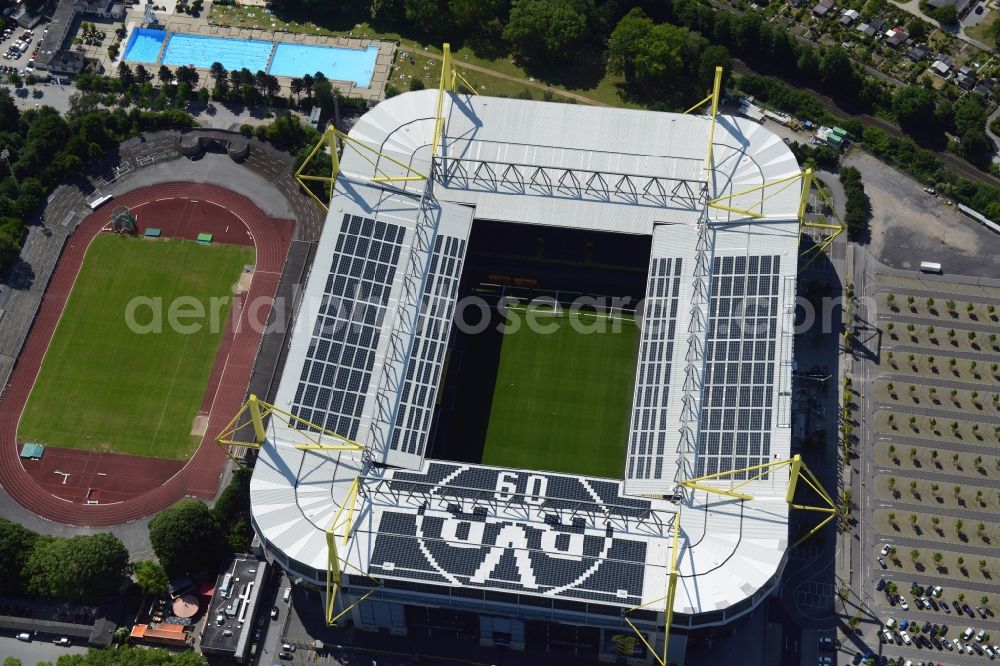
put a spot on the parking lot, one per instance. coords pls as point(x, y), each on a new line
point(18, 48)
point(931, 418)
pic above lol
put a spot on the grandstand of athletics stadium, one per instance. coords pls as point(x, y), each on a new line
point(538, 391)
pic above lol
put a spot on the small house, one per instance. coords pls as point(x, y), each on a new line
point(965, 82)
point(849, 16)
point(895, 37)
point(822, 8)
point(866, 30)
point(940, 68)
point(918, 53)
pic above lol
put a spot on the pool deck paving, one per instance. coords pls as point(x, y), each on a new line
point(201, 26)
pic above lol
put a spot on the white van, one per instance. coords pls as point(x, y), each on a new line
point(24, 636)
point(930, 267)
point(287, 595)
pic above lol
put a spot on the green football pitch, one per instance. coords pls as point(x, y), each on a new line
point(103, 387)
point(562, 399)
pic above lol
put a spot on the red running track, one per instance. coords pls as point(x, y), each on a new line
point(124, 487)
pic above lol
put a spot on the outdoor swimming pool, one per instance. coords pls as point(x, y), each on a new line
point(201, 52)
point(144, 45)
point(293, 60)
point(338, 64)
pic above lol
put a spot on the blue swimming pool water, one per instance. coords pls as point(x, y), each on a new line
point(144, 45)
point(338, 64)
point(203, 51)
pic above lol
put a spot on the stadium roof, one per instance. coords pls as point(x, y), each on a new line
point(712, 384)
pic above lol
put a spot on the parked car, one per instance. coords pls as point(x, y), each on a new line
point(945, 642)
point(945, 607)
point(937, 591)
point(980, 635)
point(274, 613)
point(968, 611)
point(885, 550)
point(882, 563)
point(906, 638)
point(903, 604)
point(24, 636)
point(880, 585)
point(981, 611)
point(62, 642)
point(967, 634)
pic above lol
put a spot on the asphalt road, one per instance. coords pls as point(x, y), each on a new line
point(909, 226)
point(35, 651)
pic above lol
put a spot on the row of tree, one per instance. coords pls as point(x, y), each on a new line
point(858, 209)
point(81, 568)
point(44, 148)
point(121, 656)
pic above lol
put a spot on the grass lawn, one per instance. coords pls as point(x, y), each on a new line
point(981, 32)
point(604, 88)
point(103, 387)
point(562, 399)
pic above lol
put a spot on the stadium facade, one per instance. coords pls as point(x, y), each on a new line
point(521, 557)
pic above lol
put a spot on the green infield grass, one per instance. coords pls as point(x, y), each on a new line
point(562, 398)
point(104, 387)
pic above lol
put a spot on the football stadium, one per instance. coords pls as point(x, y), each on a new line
point(538, 390)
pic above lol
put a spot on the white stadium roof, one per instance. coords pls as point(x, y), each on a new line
point(713, 379)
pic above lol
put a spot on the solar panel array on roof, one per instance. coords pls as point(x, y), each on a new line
point(475, 550)
point(551, 534)
point(416, 408)
point(647, 440)
point(338, 366)
point(739, 373)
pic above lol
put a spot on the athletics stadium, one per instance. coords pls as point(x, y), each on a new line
point(406, 471)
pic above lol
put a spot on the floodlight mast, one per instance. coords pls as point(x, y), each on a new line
point(5, 154)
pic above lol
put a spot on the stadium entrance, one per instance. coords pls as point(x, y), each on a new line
point(544, 348)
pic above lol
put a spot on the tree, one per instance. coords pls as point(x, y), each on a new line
point(188, 75)
point(151, 577)
point(83, 568)
point(125, 75)
point(946, 14)
point(186, 538)
point(296, 86)
point(142, 75)
point(548, 31)
point(165, 75)
point(232, 511)
point(938, 557)
point(218, 73)
point(913, 106)
point(836, 71)
point(916, 28)
point(324, 94)
point(16, 544)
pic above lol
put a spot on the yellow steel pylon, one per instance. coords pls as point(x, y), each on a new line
point(252, 415)
point(668, 612)
point(838, 228)
point(447, 82)
point(798, 470)
point(369, 154)
point(341, 522)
